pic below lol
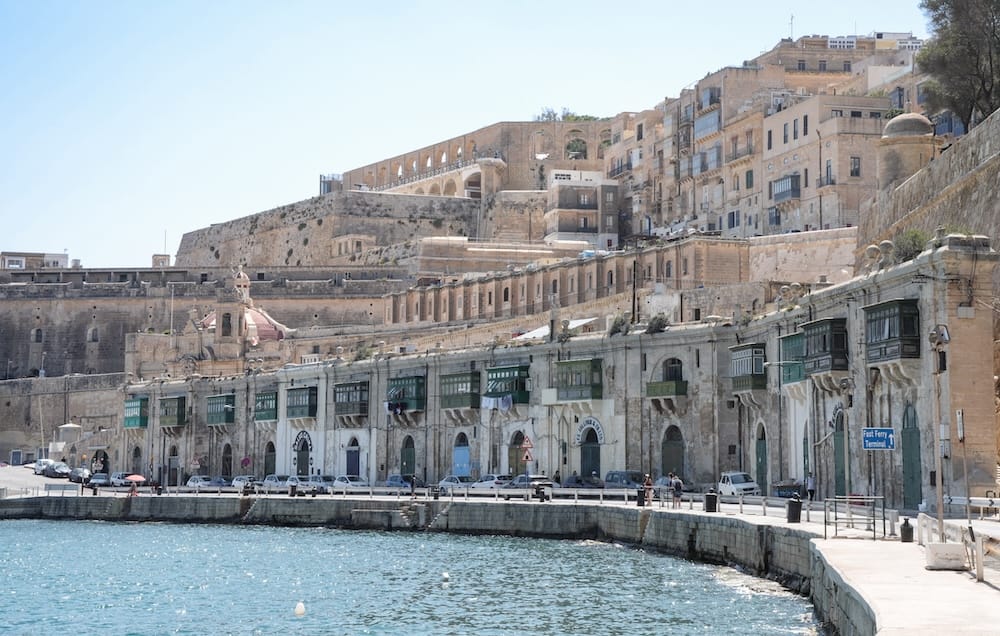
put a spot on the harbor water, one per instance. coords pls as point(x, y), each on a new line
point(77, 577)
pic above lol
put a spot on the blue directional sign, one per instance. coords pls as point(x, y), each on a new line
point(878, 439)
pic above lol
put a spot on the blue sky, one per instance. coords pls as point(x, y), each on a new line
point(124, 125)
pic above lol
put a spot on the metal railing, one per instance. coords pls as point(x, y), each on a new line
point(854, 511)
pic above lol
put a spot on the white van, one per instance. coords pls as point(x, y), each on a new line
point(735, 483)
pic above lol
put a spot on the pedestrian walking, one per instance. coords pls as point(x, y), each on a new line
point(647, 485)
point(678, 488)
point(811, 486)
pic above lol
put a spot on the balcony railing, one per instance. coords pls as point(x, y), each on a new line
point(740, 153)
point(667, 388)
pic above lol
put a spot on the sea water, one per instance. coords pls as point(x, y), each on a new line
point(80, 577)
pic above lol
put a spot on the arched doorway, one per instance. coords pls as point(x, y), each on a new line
point(515, 454)
point(269, 459)
point(761, 476)
point(353, 457)
point(227, 460)
point(173, 467)
point(839, 440)
point(912, 469)
point(590, 453)
point(460, 462)
point(303, 444)
point(408, 457)
point(135, 466)
point(672, 453)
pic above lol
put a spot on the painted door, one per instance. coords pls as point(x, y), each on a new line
point(672, 453)
point(270, 459)
point(302, 459)
point(761, 476)
point(590, 454)
point(408, 458)
point(461, 461)
point(912, 470)
point(353, 457)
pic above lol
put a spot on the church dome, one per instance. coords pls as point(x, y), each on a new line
point(908, 125)
point(260, 327)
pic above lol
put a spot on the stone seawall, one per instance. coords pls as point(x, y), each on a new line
point(757, 545)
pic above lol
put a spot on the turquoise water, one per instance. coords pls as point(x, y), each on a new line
point(77, 577)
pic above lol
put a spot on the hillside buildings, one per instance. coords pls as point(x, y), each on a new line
point(710, 284)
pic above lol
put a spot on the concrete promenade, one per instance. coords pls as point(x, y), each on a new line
point(860, 585)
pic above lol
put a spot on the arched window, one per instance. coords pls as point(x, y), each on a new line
point(506, 294)
point(673, 370)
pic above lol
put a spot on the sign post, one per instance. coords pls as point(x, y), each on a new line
point(878, 438)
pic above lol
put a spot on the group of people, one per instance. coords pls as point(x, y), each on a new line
point(676, 486)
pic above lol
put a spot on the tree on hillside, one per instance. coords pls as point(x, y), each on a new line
point(549, 114)
point(962, 57)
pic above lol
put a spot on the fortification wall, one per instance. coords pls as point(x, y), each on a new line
point(804, 256)
point(955, 190)
point(304, 233)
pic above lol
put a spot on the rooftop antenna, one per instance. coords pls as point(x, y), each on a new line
point(791, 32)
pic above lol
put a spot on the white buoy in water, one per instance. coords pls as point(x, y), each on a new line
point(300, 608)
point(444, 576)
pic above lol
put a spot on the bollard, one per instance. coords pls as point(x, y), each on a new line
point(794, 509)
point(711, 500)
point(906, 531)
point(640, 497)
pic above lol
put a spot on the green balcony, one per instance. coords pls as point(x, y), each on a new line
point(302, 402)
point(173, 411)
point(513, 381)
point(136, 412)
point(407, 394)
point(746, 367)
point(793, 350)
point(579, 380)
point(221, 409)
point(892, 331)
point(265, 406)
point(825, 345)
point(667, 388)
point(460, 390)
point(351, 398)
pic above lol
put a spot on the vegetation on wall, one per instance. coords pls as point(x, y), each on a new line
point(657, 324)
point(549, 114)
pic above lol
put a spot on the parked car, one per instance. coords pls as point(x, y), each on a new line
point(79, 475)
point(59, 470)
point(118, 479)
point(531, 482)
point(102, 480)
point(582, 481)
point(241, 482)
point(274, 483)
point(323, 484)
point(401, 483)
point(199, 482)
point(40, 465)
point(349, 482)
point(491, 481)
point(624, 479)
point(300, 482)
point(455, 482)
point(735, 483)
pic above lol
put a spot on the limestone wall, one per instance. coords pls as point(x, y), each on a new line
point(306, 233)
point(954, 190)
